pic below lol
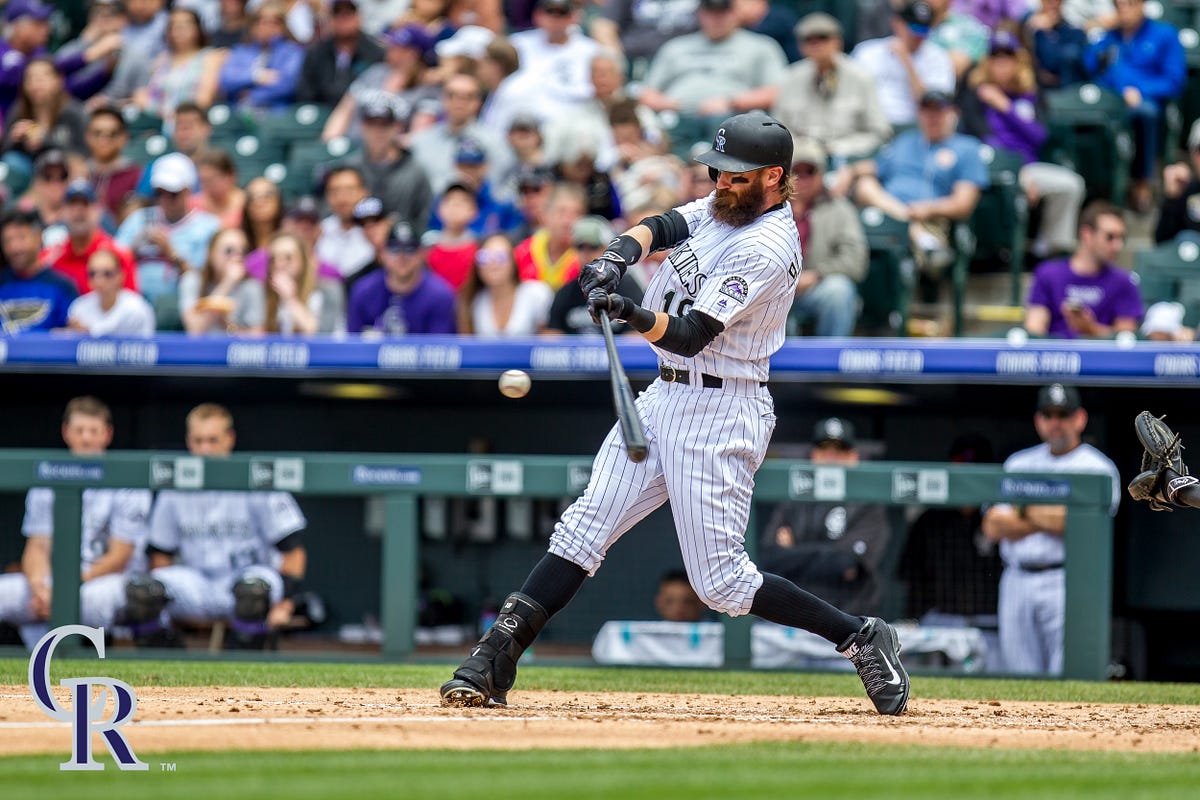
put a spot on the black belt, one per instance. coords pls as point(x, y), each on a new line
point(1040, 567)
point(670, 374)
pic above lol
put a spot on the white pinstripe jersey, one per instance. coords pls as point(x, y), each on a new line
point(107, 514)
point(745, 277)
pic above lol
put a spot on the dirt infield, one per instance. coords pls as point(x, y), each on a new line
point(215, 718)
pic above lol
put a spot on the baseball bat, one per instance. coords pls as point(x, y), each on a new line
point(627, 415)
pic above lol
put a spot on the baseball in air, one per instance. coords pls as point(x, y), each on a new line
point(514, 383)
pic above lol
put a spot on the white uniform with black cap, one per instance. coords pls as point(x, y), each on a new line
point(1032, 606)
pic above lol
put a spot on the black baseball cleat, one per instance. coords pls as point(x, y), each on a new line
point(464, 694)
point(875, 653)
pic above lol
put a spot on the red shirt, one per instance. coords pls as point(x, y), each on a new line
point(74, 265)
point(453, 262)
point(113, 188)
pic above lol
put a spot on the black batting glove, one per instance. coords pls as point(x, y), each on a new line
point(618, 307)
point(604, 273)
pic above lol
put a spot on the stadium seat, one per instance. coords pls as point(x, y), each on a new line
point(251, 155)
point(143, 151)
point(229, 123)
point(1089, 133)
point(307, 162)
point(1171, 271)
point(140, 123)
point(887, 289)
point(296, 124)
point(1001, 220)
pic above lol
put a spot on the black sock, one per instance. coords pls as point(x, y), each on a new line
point(779, 600)
point(553, 582)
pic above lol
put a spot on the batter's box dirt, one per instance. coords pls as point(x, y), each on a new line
point(210, 718)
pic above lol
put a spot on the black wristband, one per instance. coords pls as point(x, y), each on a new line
point(291, 586)
point(624, 250)
point(640, 319)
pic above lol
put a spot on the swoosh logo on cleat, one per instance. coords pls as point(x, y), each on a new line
point(895, 680)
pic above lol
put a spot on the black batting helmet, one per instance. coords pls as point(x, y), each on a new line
point(747, 142)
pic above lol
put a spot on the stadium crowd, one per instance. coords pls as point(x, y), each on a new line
point(394, 167)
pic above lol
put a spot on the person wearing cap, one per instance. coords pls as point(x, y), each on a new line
point(906, 65)
point(332, 62)
point(827, 96)
point(930, 177)
point(638, 29)
point(342, 242)
point(33, 297)
point(568, 310)
point(1164, 323)
point(262, 72)
point(494, 301)
point(1179, 211)
point(1032, 606)
point(834, 247)
point(833, 550)
point(81, 216)
point(26, 33)
point(1057, 45)
point(113, 176)
point(404, 297)
point(495, 212)
point(560, 53)
point(390, 170)
point(168, 238)
point(190, 135)
point(450, 241)
point(533, 188)
point(374, 222)
point(436, 147)
point(46, 196)
point(713, 72)
point(959, 33)
point(1142, 60)
point(1001, 107)
point(1086, 295)
point(108, 308)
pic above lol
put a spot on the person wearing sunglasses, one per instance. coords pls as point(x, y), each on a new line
point(109, 309)
point(1086, 295)
point(1032, 605)
point(81, 216)
point(222, 297)
point(495, 301)
point(560, 52)
point(404, 297)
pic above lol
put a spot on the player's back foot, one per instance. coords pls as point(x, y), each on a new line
point(464, 694)
point(875, 653)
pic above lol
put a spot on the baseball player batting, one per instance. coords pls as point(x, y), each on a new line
point(714, 314)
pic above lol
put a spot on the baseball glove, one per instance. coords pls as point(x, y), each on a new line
point(1163, 471)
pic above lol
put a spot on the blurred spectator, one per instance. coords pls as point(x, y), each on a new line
point(572, 149)
point(833, 244)
point(342, 242)
point(187, 70)
point(773, 20)
point(1058, 47)
point(547, 255)
point(510, 92)
point(452, 244)
point(109, 309)
point(262, 216)
point(235, 24)
point(190, 136)
point(568, 310)
point(707, 72)
point(47, 195)
point(1089, 15)
point(676, 600)
point(114, 177)
point(300, 18)
point(404, 297)
point(375, 224)
point(25, 37)
point(1086, 295)
point(262, 72)
point(89, 60)
point(639, 28)
point(1141, 60)
point(391, 171)
point(44, 115)
point(81, 216)
point(827, 96)
point(533, 189)
point(961, 35)
point(993, 13)
point(525, 140)
point(168, 238)
point(1180, 209)
point(142, 39)
point(33, 297)
point(559, 53)
point(906, 64)
point(930, 177)
point(495, 301)
point(952, 571)
point(435, 147)
point(1000, 106)
point(333, 61)
point(303, 219)
point(496, 213)
point(696, 183)
point(1164, 323)
point(380, 15)
point(832, 549)
point(222, 297)
point(299, 301)
point(219, 194)
point(398, 81)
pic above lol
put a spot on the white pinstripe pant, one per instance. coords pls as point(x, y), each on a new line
point(705, 446)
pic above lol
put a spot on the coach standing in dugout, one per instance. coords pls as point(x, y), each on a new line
point(714, 314)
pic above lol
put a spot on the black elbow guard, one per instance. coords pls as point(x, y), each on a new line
point(688, 335)
point(666, 230)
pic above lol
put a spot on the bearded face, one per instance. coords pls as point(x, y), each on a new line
point(741, 203)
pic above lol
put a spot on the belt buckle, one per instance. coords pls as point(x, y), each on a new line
point(668, 373)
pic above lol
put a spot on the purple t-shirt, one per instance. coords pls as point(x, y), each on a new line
point(429, 308)
point(1111, 294)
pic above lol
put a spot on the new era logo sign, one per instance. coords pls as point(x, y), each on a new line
point(800, 482)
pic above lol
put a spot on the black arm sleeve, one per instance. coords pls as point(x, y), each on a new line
point(666, 230)
point(289, 542)
point(689, 334)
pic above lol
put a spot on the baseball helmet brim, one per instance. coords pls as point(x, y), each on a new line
point(726, 163)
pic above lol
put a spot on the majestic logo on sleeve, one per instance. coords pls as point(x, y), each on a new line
point(85, 716)
point(737, 288)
